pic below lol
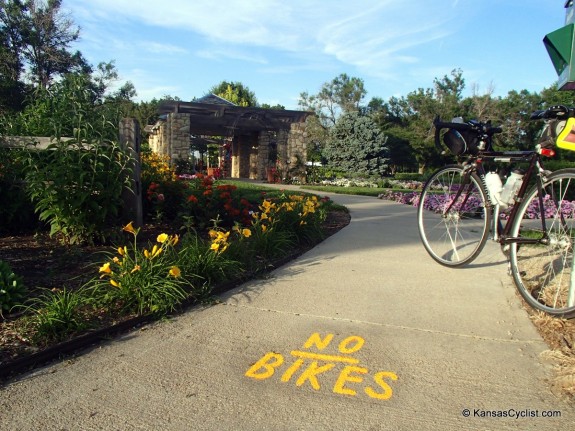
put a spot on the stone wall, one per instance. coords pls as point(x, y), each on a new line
point(297, 151)
point(172, 137)
point(179, 136)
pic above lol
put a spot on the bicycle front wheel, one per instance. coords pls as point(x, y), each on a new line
point(543, 269)
point(453, 227)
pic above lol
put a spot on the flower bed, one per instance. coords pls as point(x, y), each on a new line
point(159, 274)
point(442, 200)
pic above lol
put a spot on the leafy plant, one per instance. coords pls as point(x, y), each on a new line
point(198, 257)
point(209, 200)
point(57, 313)
point(12, 289)
point(77, 186)
point(142, 281)
point(16, 211)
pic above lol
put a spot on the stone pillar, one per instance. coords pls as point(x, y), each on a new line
point(179, 136)
point(244, 154)
point(297, 150)
point(282, 149)
point(263, 161)
point(253, 163)
point(235, 157)
point(129, 138)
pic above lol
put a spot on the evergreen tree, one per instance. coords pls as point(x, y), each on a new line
point(357, 145)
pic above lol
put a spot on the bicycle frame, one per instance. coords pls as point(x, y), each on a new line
point(535, 170)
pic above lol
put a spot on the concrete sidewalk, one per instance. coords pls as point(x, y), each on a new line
point(364, 332)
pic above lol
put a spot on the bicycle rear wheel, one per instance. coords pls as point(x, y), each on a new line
point(544, 271)
point(453, 234)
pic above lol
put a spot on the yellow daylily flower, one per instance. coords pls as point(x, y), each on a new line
point(175, 239)
point(114, 283)
point(136, 268)
point(162, 238)
point(130, 228)
point(155, 251)
point(246, 232)
point(146, 254)
point(106, 268)
point(122, 251)
point(175, 271)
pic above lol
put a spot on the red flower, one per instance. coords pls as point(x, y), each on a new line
point(193, 199)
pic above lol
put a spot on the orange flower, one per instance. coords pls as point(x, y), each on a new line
point(130, 228)
point(106, 268)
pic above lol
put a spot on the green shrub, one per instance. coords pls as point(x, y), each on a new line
point(57, 313)
point(408, 176)
point(16, 211)
point(554, 165)
point(207, 267)
point(142, 281)
point(12, 289)
point(210, 203)
point(77, 186)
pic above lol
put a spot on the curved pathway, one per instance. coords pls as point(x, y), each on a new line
point(363, 332)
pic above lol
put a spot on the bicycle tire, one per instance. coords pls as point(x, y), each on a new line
point(456, 238)
point(544, 272)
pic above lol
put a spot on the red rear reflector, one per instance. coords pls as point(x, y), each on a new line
point(547, 152)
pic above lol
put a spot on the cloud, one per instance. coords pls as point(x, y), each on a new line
point(231, 53)
point(385, 40)
point(156, 48)
point(356, 33)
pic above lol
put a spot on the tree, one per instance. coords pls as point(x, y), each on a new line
point(268, 106)
point(356, 144)
point(54, 111)
point(340, 96)
point(235, 92)
point(411, 118)
point(11, 89)
point(39, 34)
point(400, 154)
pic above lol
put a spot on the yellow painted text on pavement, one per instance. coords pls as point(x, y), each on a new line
point(311, 366)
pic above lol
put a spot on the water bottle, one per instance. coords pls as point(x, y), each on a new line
point(511, 187)
point(495, 186)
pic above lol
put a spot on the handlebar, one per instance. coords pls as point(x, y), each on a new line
point(475, 126)
point(558, 112)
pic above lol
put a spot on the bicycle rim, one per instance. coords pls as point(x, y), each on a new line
point(544, 272)
point(455, 236)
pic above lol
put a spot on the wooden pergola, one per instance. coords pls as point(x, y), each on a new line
point(215, 116)
point(255, 134)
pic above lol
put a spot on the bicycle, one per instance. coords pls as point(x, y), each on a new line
point(461, 203)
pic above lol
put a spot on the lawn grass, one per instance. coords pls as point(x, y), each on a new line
point(357, 190)
point(363, 191)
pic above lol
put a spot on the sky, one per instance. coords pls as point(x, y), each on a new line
point(281, 48)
